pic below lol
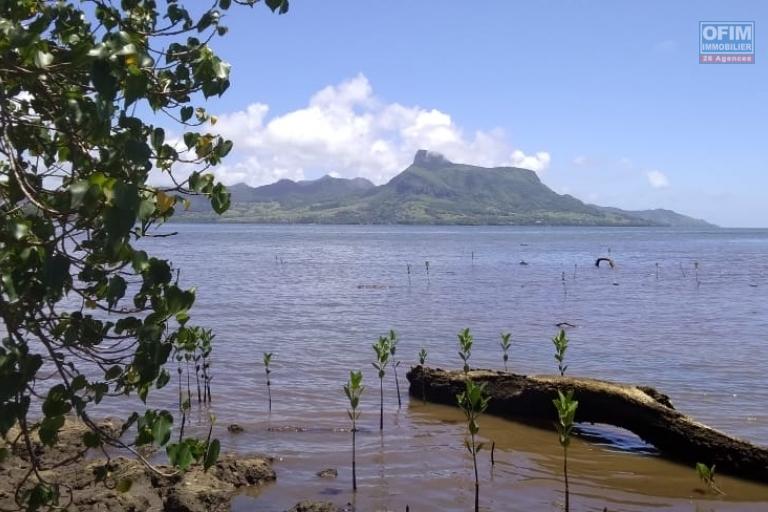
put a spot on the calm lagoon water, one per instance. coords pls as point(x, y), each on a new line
point(319, 296)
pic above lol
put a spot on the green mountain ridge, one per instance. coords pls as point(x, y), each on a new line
point(432, 190)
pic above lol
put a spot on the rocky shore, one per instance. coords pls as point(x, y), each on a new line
point(130, 486)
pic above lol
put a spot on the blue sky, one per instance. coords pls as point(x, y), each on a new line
point(605, 99)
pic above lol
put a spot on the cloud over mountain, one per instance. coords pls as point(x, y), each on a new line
point(347, 131)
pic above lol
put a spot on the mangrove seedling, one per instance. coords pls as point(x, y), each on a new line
point(267, 360)
point(381, 348)
point(185, 407)
point(353, 389)
point(212, 447)
point(566, 412)
point(465, 347)
point(422, 356)
point(392, 350)
point(473, 401)
point(561, 345)
point(422, 361)
point(505, 344)
point(707, 475)
point(197, 380)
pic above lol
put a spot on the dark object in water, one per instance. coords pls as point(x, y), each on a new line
point(235, 428)
point(642, 410)
point(328, 473)
point(523, 262)
point(563, 325)
point(598, 261)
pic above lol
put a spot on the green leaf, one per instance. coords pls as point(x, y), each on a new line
point(49, 429)
point(56, 403)
point(180, 455)
point(213, 454)
point(281, 6)
point(102, 79)
point(158, 138)
point(186, 113)
point(137, 151)
point(161, 429)
point(115, 290)
point(220, 199)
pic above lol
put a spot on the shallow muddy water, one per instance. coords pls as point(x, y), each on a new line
point(318, 296)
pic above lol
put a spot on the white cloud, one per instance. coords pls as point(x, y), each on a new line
point(580, 160)
point(657, 179)
point(346, 131)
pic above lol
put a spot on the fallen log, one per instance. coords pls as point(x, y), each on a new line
point(642, 410)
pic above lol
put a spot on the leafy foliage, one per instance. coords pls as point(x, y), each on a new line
point(82, 88)
point(707, 476)
point(561, 345)
point(505, 344)
point(449, 193)
point(382, 349)
point(465, 347)
point(566, 412)
point(473, 401)
point(422, 356)
point(354, 389)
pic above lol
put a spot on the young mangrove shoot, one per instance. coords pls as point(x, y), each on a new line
point(392, 350)
point(422, 356)
point(473, 401)
point(353, 389)
point(707, 475)
point(505, 344)
point(465, 347)
point(561, 345)
point(381, 348)
point(566, 412)
point(212, 447)
point(267, 360)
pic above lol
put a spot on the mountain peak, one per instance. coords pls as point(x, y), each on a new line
point(430, 159)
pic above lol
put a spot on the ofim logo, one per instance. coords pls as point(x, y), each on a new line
point(727, 42)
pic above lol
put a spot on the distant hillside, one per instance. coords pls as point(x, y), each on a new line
point(432, 190)
point(665, 218)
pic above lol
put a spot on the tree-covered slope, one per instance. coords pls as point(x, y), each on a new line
point(432, 190)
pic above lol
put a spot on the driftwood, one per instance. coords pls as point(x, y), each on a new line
point(598, 261)
point(642, 410)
